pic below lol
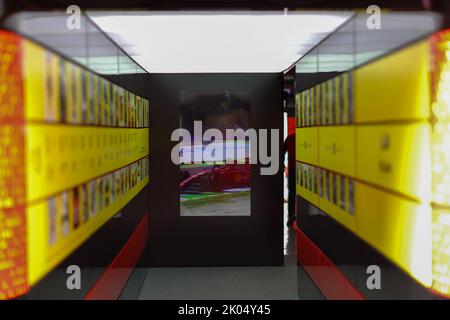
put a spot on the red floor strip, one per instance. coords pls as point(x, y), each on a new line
point(111, 283)
point(327, 277)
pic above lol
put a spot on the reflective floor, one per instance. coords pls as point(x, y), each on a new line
point(227, 283)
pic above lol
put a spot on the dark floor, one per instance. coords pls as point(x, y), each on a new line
point(227, 283)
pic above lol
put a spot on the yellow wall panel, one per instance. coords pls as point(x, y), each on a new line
point(395, 87)
point(396, 157)
point(307, 183)
point(306, 141)
point(34, 81)
point(337, 149)
point(63, 176)
point(338, 201)
point(61, 156)
point(397, 227)
point(43, 254)
point(382, 161)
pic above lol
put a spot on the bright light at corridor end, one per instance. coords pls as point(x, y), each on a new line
point(206, 42)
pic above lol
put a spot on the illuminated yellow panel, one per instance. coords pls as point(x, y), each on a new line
point(397, 227)
point(307, 145)
point(45, 251)
point(106, 94)
point(307, 183)
point(338, 199)
point(347, 103)
point(51, 167)
point(323, 104)
point(398, 151)
point(337, 149)
point(316, 112)
point(309, 196)
point(60, 156)
point(74, 94)
point(395, 87)
point(34, 81)
point(301, 114)
point(396, 157)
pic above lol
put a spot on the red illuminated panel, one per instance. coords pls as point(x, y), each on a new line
point(13, 270)
point(291, 125)
point(326, 276)
point(115, 277)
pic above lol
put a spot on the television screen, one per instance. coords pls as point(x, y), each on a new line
point(214, 154)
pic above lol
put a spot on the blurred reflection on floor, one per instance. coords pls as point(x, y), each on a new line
point(226, 283)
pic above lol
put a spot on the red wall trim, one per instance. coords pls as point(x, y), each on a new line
point(327, 277)
point(291, 125)
point(111, 283)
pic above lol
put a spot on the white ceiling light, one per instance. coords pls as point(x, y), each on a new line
point(186, 42)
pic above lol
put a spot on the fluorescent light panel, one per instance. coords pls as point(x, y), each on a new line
point(216, 42)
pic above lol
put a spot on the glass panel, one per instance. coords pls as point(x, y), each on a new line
point(87, 45)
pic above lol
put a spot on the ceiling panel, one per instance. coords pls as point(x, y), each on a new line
point(214, 42)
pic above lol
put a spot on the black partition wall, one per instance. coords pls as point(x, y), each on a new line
point(176, 240)
point(213, 241)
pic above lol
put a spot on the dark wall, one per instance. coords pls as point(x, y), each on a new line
point(210, 241)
